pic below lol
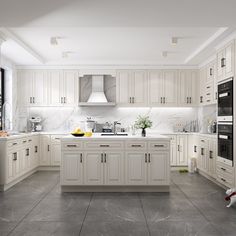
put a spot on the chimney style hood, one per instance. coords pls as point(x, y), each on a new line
point(97, 95)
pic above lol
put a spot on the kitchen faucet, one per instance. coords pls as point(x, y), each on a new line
point(114, 126)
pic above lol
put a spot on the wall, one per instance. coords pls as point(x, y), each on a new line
point(66, 119)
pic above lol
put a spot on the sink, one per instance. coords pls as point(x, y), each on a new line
point(112, 134)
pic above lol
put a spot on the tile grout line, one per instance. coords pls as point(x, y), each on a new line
point(33, 207)
point(86, 213)
point(149, 233)
point(208, 220)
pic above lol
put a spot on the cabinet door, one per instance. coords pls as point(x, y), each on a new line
point(56, 153)
point(212, 158)
point(158, 168)
point(170, 78)
point(25, 86)
point(40, 86)
point(71, 78)
point(229, 61)
point(45, 155)
point(136, 168)
point(35, 154)
point(123, 89)
point(155, 88)
point(220, 66)
point(56, 87)
point(10, 166)
point(93, 168)
point(72, 171)
point(202, 85)
point(182, 149)
point(24, 160)
point(139, 88)
point(114, 168)
point(173, 150)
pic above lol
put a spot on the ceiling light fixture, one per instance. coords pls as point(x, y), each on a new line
point(164, 53)
point(54, 40)
point(67, 53)
point(174, 40)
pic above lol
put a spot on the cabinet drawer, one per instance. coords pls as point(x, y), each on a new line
point(136, 145)
point(56, 138)
point(221, 168)
point(158, 146)
point(224, 179)
point(14, 143)
point(72, 146)
point(103, 145)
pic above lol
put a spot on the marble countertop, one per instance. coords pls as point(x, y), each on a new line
point(18, 135)
point(129, 137)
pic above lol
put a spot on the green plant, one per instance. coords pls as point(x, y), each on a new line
point(143, 122)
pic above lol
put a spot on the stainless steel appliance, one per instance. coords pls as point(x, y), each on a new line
point(225, 101)
point(36, 125)
point(225, 142)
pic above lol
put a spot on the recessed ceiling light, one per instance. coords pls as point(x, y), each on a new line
point(174, 40)
point(164, 53)
point(54, 41)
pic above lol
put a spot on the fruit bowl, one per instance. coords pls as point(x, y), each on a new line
point(78, 135)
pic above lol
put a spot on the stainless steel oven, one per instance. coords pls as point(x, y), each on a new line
point(225, 101)
point(225, 141)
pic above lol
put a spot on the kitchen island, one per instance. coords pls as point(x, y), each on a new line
point(115, 163)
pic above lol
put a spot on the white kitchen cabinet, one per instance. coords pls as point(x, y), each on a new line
point(13, 164)
point(93, 168)
point(45, 147)
point(193, 146)
point(182, 150)
point(158, 163)
point(114, 168)
point(136, 168)
point(212, 158)
point(72, 171)
point(202, 85)
point(55, 151)
point(203, 162)
point(173, 149)
point(188, 87)
point(225, 62)
point(162, 87)
point(132, 88)
point(32, 87)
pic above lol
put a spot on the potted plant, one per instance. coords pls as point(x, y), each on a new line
point(143, 122)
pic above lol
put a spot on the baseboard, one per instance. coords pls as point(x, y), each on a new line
point(115, 188)
point(178, 167)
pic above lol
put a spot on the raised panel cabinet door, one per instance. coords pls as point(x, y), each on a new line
point(56, 154)
point(123, 89)
point(193, 89)
point(45, 154)
point(202, 85)
point(136, 168)
point(182, 155)
point(16, 165)
point(56, 87)
point(139, 87)
point(155, 88)
point(10, 166)
point(158, 165)
point(93, 168)
point(229, 61)
point(25, 86)
point(184, 87)
point(220, 65)
point(212, 156)
point(40, 86)
point(170, 87)
point(72, 169)
point(114, 168)
point(24, 160)
point(71, 79)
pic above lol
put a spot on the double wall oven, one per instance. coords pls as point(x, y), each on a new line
point(225, 121)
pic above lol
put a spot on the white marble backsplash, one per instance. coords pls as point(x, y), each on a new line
point(66, 119)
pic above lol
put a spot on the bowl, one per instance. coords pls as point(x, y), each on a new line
point(78, 135)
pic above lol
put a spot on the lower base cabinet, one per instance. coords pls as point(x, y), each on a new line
point(115, 167)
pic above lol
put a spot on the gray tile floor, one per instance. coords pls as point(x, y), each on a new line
point(194, 206)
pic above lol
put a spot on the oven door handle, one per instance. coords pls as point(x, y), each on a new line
point(223, 136)
point(222, 95)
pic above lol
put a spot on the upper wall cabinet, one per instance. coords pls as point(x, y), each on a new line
point(131, 88)
point(162, 87)
point(33, 87)
point(48, 87)
point(188, 87)
point(226, 62)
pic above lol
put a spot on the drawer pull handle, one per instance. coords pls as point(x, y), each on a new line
point(71, 145)
point(104, 145)
point(14, 156)
point(223, 169)
point(136, 145)
point(145, 157)
point(30, 140)
point(101, 157)
point(223, 179)
point(159, 145)
point(24, 141)
point(81, 157)
point(14, 144)
point(149, 157)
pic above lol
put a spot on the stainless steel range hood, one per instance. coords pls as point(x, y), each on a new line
point(97, 96)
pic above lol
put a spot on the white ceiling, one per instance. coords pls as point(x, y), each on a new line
point(114, 32)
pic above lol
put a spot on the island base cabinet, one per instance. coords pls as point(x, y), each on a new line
point(13, 164)
point(72, 171)
point(136, 168)
point(158, 168)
